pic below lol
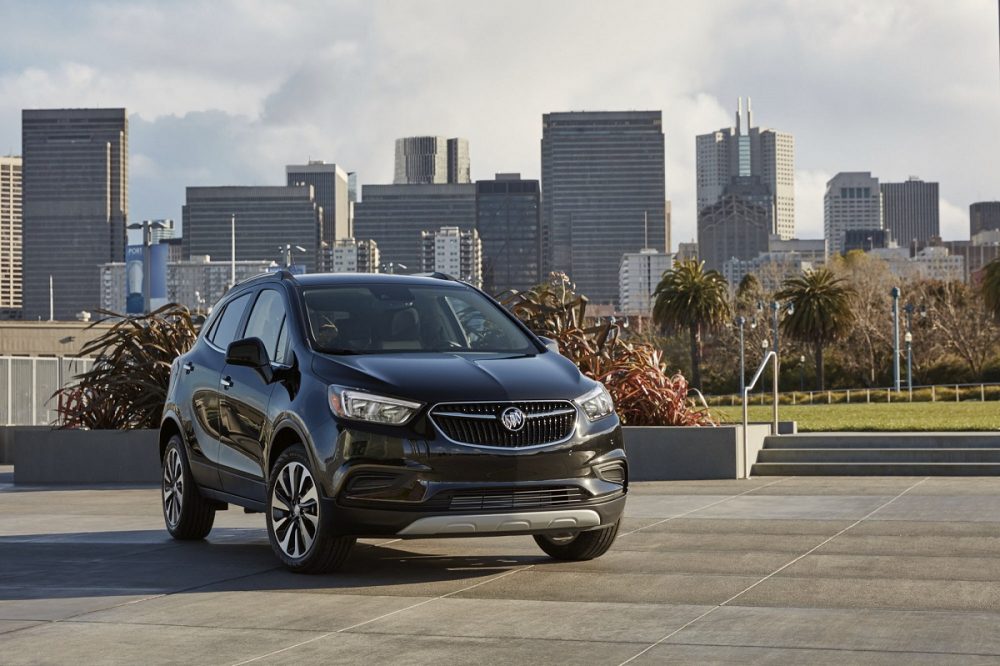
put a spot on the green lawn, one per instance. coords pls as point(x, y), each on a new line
point(877, 416)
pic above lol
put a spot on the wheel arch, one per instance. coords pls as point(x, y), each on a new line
point(168, 428)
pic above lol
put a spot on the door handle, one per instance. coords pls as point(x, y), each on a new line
point(227, 383)
point(188, 367)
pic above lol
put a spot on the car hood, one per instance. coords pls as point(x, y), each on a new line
point(439, 377)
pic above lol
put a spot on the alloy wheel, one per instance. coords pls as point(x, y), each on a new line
point(294, 510)
point(173, 487)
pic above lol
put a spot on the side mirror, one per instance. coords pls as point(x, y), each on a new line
point(550, 344)
point(249, 352)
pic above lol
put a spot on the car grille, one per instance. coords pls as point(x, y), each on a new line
point(509, 498)
point(478, 423)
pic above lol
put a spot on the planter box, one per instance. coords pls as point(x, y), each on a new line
point(83, 457)
point(664, 453)
point(7, 440)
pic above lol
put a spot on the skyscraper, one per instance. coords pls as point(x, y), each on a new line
point(746, 151)
point(75, 185)
point(984, 216)
point(10, 237)
point(734, 227)
point(853, 200)
point(266, 218)
point(331, 187)
point(910, 211)
point(423, 160)
point(603, 185)
point(508, 218)
point(394, 215)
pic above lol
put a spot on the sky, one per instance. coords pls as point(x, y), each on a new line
point(228, 92)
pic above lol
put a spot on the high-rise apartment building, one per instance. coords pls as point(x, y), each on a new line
point(10, 237)
point(638, 275)
point(604, 194)
point(910, 211)
point(853, 200)
point(746, 151)
point(395, 215)
point(75, 205)
point(423, 160)
point(355, 256)
point(331, 188)
point(456, 252)
point(508, 219)
point(267, 219)
point(984, 216)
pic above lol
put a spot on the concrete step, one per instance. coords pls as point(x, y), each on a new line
point(875, 469)
point(885, 440)
point(887, 455)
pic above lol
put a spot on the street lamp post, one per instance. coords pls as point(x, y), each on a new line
point(895, 336)
point(909, 363)
point(802, 373)
point(740, 323)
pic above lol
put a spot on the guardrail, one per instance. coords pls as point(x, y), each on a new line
point(746, 393)
point(28, 382)
point(981, 392)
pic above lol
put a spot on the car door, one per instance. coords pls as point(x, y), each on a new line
point(200, 370)
point(245, 396)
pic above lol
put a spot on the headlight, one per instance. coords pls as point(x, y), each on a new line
point(362, 406)
point(596, 404)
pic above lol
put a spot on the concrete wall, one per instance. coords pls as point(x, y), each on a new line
point(80, 457)
point(47, 338)
point(675, 453)
point(7, 441)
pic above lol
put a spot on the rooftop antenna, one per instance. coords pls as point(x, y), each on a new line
point(749, 116)
point(739, 114)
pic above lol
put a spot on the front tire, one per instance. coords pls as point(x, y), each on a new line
point(581, 546)
point(187, 514)
point(299, 527)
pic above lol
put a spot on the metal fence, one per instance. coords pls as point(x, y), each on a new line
point(980, 392)
point(28, 382)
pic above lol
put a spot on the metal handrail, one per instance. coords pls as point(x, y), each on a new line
point(746, 392)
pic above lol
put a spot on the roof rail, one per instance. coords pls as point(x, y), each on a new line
point(437, 275)
point(280, 274)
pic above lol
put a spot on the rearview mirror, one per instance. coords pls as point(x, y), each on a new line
point(249, 352)
point(550, 344)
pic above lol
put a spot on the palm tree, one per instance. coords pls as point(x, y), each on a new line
point(990, 287)
point(689, 297)
point(822, 312)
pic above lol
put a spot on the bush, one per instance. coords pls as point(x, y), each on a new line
point(633, 373)
point(127, 385)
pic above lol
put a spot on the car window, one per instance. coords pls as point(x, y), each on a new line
point(225, 330)
point(266, 322)
point(377, 318)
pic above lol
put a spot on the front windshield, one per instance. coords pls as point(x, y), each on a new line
point(391, 318)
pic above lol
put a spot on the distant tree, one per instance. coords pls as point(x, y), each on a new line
point(867, 349)
point(990, 287)
point(749, 289)
point(690, 298)
point(961, 323)
point(822, 312)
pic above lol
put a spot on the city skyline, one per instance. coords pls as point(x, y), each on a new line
point(213, 118)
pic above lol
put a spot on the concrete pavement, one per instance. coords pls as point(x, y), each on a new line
point(773, 570)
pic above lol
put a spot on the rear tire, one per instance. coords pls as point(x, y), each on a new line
point(299, 527)
point(187, 514)
point(583, 546)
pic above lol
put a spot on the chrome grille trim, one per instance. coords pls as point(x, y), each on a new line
point(547, 422)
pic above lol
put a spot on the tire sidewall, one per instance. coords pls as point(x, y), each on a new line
point(188, 487)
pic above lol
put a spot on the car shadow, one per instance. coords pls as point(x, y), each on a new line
point(144, 562)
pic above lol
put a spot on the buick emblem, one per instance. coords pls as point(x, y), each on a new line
point(512, 418)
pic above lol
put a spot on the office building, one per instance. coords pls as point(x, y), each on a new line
point(910, 210)
point(508, 219)
point(355, 256)
point(395, 215)
point(770, 268)
point(933, 262)
point(853, 200)
point(453, 251)
point(866, 240)
point(734, 227)
point(331, 189)
point(638, 275)
point(10, 237)
point(424, 160)
point(267, 219)
point(75, 206)
point(984, 216)
point(604, 194)
point(197, 283)
point(746, 151)
point(686, 251)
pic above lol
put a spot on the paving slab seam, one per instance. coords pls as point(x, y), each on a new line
point(702, 508)
point(836, 649)
point(384, 615)
point(773, 573)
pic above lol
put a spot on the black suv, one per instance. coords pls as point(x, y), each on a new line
point(346, 406)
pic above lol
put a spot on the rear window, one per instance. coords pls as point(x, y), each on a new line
point(369, 319)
